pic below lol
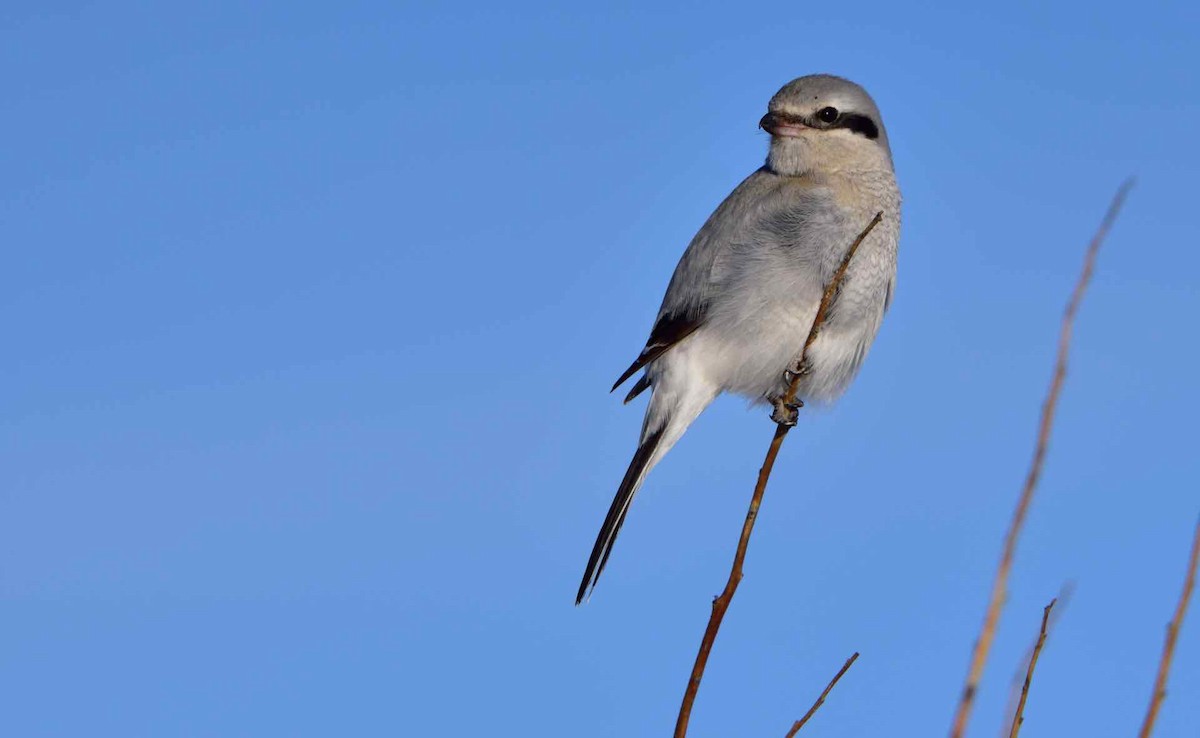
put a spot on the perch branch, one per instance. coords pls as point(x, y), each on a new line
point(721, 602)
point(1019, 715)
point(987, 632)
point(821, 700)
point(1164, 664)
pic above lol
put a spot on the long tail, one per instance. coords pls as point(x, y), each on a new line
point(634, 476)
point(667, 417)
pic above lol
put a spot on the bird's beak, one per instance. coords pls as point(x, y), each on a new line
point(782, 124)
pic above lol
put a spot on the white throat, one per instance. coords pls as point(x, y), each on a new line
point(825, 151)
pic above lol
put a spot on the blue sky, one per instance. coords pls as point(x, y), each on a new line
point(311, 314)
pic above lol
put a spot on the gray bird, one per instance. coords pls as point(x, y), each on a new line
point(744, 295)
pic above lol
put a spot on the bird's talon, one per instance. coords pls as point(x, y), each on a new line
point(790, 374)
point(786, 413)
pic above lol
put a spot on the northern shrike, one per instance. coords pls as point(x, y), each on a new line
point(745, 292)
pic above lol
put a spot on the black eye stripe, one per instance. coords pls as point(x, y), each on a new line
point(859, 124)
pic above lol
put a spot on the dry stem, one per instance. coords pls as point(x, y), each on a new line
point(821, 700)
point(1061, 602)
point(721, 602)
point(987, 633)
point(1164, 664)
point(1019, 715)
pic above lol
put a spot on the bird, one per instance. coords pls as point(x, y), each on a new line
point(745, 293)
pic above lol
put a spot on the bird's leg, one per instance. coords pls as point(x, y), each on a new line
point(785, 413)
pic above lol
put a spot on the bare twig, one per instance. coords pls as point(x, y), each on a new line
point(721, 602)
point(821, 700)
point(1164, 664)
point(1061, 602)
point(1019, 715)
point(987, 632)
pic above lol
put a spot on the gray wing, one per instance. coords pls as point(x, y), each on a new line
point(686, 304)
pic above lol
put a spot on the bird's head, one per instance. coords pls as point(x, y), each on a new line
point(822, 123)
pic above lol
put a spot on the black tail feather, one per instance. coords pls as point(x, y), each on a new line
point(616, 513)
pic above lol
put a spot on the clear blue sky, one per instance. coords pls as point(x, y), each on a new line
point(310, 314)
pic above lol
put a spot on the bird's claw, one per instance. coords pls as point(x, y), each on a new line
point(786, 413)
point(790, 374)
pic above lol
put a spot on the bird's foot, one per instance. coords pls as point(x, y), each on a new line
point(786, 413)
point(789, 374)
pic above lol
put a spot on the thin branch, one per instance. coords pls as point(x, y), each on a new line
point(1061, 602)
point(721, 602)
point(821, 700)
point(987, 632)
point(1019, 716)
point(1164, 664)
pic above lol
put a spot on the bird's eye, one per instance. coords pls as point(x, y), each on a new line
point(827, 115)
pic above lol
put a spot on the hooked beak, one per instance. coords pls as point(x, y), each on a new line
point(782, 124)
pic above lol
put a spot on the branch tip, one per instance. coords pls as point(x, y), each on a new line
point(987, 631)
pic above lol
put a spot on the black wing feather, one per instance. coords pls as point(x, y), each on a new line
point(670, 329)
point(639, 387)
